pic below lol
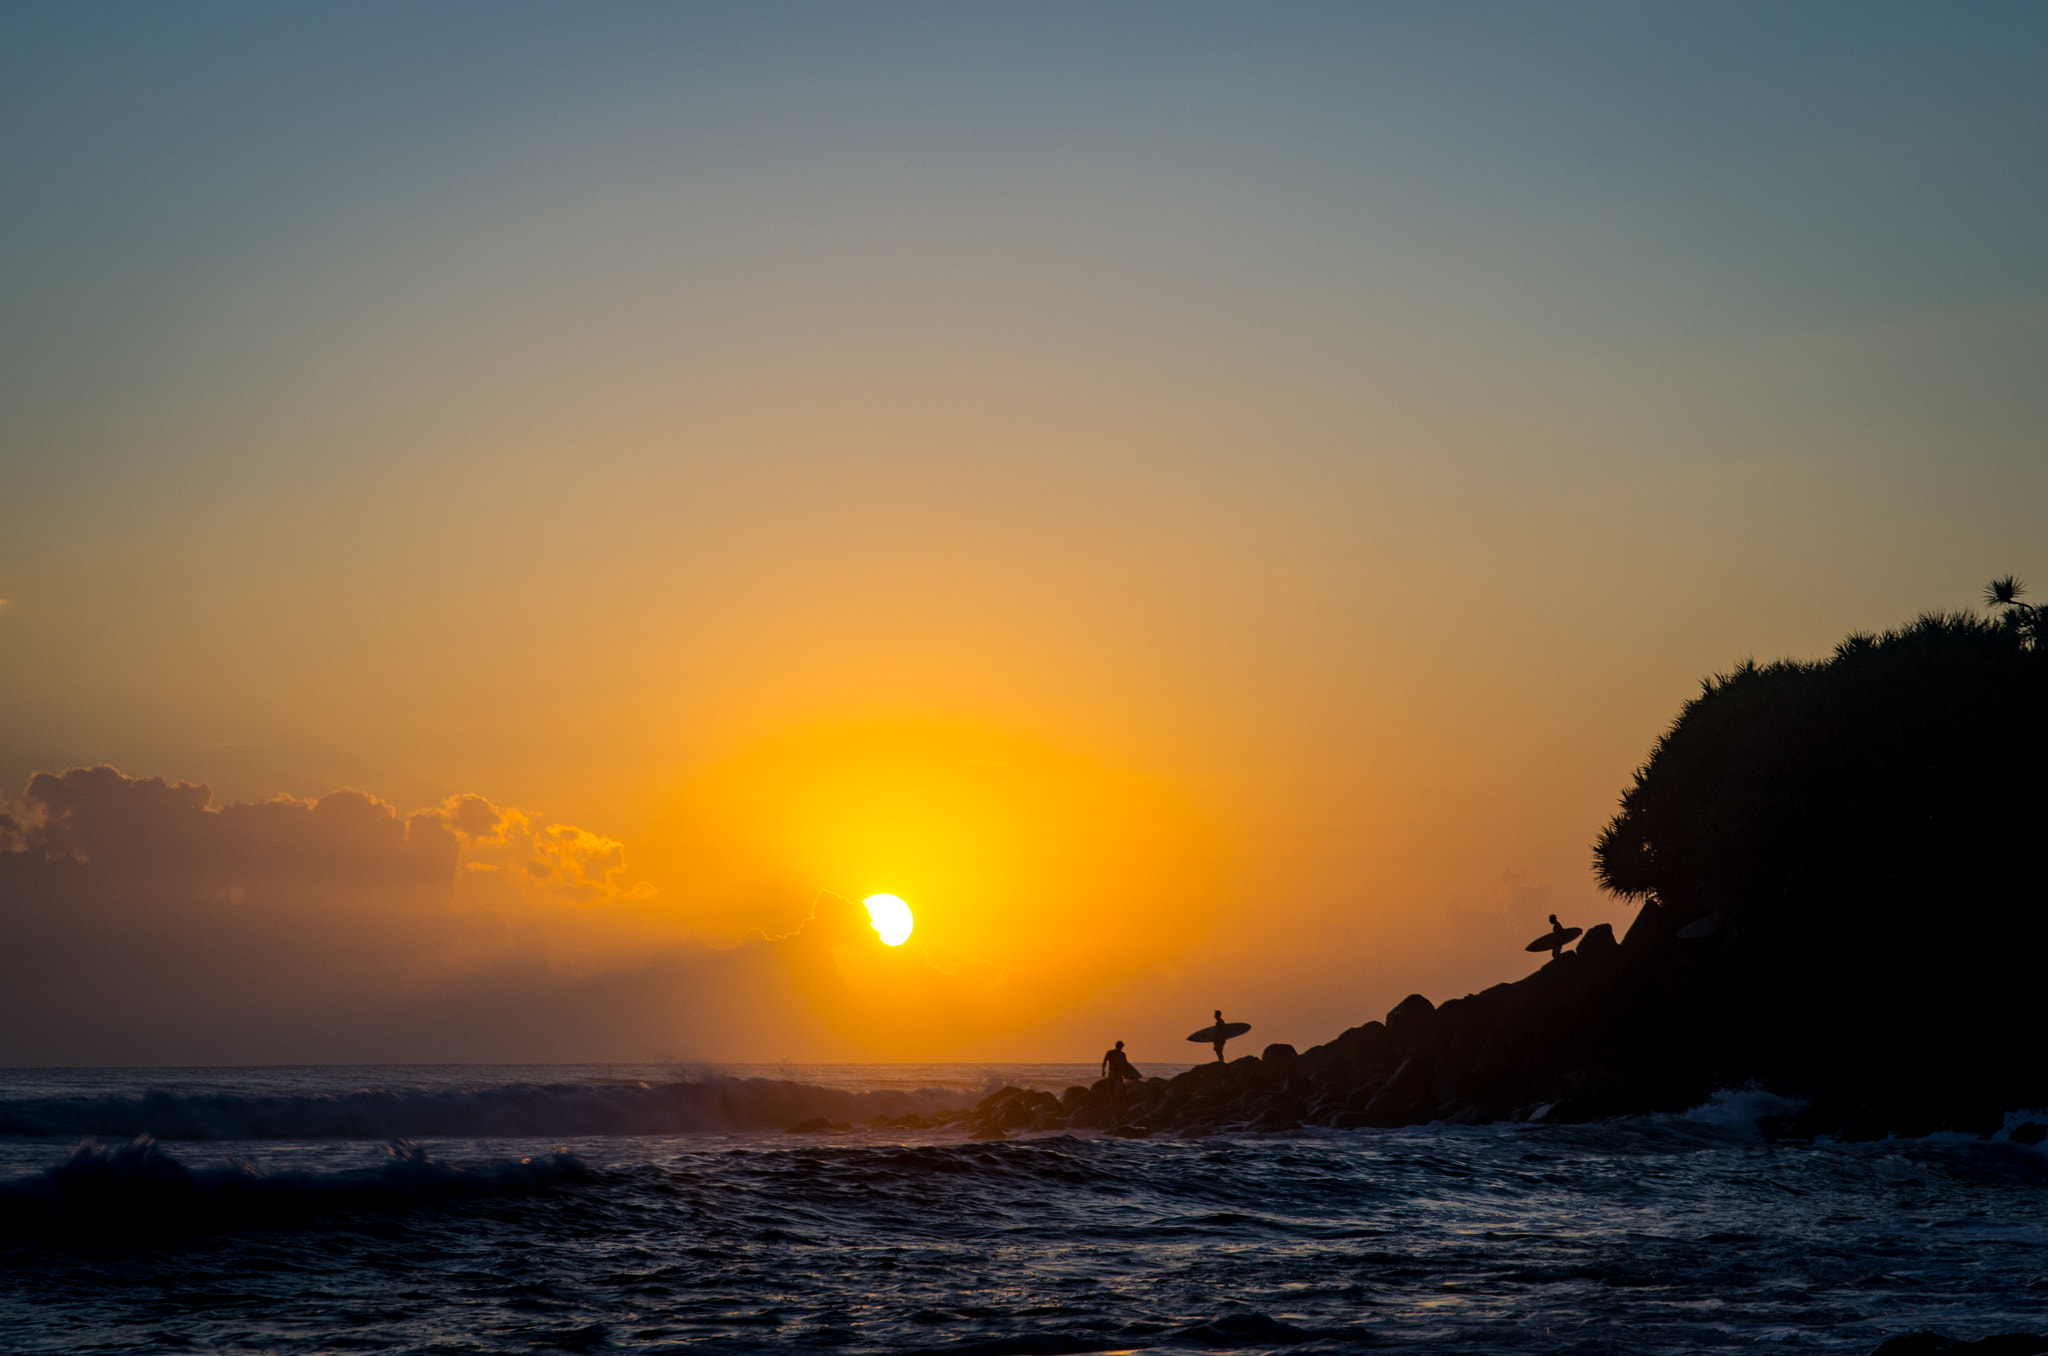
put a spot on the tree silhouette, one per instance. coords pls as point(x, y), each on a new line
point(2022, 618)
point(1868, 829)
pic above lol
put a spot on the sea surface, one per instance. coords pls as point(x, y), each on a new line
point(616, 1208)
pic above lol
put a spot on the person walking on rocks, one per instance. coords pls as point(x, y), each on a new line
point(1116, 1065)
point(1554, 940)
point(1220, 1037)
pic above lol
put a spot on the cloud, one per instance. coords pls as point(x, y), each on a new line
point(146, 925)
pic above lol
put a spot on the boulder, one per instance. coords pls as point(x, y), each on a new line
point(1599, 943)
point(1406, 1098)
point(1408, 1014)
point(1278, 1054)
point(997, 1097)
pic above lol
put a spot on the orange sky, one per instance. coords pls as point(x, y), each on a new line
point(1211, 516)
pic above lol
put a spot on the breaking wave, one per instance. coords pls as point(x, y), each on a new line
point(513, 1111)
point(136, 1190)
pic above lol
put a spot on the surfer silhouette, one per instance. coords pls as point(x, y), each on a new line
point(1117, 1065)
point(1223, 1031)
point(1553, 941)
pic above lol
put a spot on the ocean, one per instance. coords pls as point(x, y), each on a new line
point(601, 1208)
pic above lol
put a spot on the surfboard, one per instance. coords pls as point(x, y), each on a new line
point(1548, 939)
point(1229, 1031)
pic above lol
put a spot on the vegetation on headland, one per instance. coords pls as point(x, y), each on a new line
point(1840, 867)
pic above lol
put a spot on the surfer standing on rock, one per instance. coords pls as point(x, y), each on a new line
point(1221, 1032)
point(1553, 941)
point(1116, 1065)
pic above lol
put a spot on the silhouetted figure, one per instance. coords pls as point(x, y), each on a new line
point(1554, 940)
point(1220, 1037)
point(1116, 1065)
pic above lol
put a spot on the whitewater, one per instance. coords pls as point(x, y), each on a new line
point(493, 1209)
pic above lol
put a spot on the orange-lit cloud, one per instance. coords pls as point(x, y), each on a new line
point(147, 924)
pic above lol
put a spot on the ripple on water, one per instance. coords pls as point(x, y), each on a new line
point(1680, 1234)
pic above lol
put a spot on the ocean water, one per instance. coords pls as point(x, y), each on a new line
point(602, 1208)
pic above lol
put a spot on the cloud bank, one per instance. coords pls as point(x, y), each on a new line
point(145, 925)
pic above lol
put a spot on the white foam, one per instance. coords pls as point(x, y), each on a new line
point(1739, 1109)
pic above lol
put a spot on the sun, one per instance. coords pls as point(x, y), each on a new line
point(891, 918)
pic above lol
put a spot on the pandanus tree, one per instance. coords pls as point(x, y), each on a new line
point(2023, 619)
point(1865, 828)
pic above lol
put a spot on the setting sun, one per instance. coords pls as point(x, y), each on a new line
point(891, 918)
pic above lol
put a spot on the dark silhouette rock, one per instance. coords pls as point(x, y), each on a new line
point(2029, 1132)
point(1409, 1011)
point(1599, 943)
point(1278, 1054)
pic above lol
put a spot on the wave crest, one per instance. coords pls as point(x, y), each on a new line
point(112, 1192)
point(512, 1111)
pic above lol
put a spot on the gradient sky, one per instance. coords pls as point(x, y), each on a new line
point(1208, 503)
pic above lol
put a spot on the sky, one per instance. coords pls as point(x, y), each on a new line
point(515, 518)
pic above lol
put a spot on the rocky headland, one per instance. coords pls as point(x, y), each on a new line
point(1611, 1028)
point(1841, 876)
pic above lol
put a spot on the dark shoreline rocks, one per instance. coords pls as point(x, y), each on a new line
point(1650, 1023)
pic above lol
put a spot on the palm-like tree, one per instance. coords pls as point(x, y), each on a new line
point(2024, 618)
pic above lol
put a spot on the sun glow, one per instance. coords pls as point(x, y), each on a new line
point(890, 917)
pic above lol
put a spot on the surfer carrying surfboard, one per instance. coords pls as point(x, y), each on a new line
point(1117, 1065)
point(1223, 1031)
point(1553, 941)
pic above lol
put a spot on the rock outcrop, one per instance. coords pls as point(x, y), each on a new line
point(1652, 1022)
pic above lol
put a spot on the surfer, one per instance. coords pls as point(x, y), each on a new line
point(1219, 1033)
point(1116, 1065)
point(1553, 941)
